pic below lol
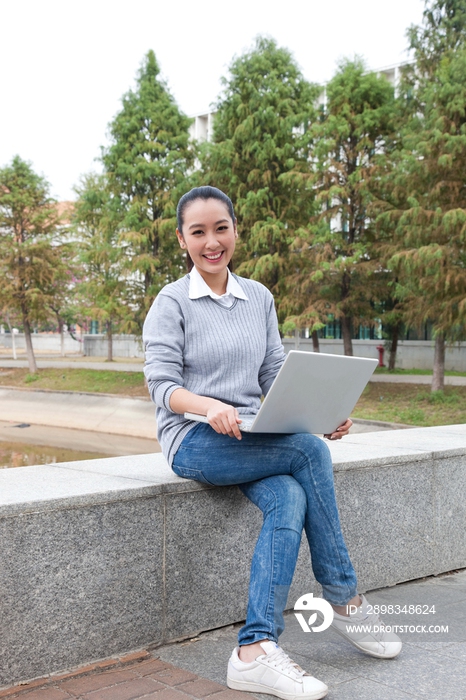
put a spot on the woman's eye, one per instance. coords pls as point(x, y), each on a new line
point(196, 232)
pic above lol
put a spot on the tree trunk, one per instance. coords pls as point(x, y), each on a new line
point(296, 338)
point(109, 342)
point(438, 376)
point(29, 348)
point(13, 340)
point(315, 342)
point(393, 347)
point(62, 334)
point(347, 335)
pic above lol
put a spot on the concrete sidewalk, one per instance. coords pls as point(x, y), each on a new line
point(415, 379)
point(133, 417)
point(431, 665)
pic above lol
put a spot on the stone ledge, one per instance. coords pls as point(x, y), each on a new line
point(110, 555)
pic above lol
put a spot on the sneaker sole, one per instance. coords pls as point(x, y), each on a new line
point(355, 644)
point(365, 651)
point(259, 688)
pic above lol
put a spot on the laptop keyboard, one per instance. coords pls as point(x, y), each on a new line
point(246, 424)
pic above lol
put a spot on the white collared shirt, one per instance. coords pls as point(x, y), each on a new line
point(198, 287)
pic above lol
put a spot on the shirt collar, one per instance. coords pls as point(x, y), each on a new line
point(198, 287)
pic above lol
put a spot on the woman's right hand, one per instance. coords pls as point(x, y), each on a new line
point(224, 419)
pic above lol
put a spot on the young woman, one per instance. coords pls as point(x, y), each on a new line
point(213, 348)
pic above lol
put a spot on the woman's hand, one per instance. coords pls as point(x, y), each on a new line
point(341, 431)
point(224, 419)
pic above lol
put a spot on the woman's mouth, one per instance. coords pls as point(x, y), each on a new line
point(214, 257)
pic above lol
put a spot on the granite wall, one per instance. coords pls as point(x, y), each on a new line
point(106, 556)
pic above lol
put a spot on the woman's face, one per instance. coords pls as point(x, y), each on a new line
point(209, 235)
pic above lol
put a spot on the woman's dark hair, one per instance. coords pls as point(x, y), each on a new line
point(205, 192)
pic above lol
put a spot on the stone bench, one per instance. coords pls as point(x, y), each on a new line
point(105, 556)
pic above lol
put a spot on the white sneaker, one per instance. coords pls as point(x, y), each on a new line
point(274, 673)
point(367, 632)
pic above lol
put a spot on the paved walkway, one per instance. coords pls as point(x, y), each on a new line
point(99, 413)
point(415, 379)
point(431, 665)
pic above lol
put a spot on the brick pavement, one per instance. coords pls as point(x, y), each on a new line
point(137, 675)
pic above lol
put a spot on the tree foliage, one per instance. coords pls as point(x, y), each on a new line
point(428, 212)
point(340, 273)
point(34, 252)
point(145, 164)
point(259, 157)
point(102, 291)
point(442, 31)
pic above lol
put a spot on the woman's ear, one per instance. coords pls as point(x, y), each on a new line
point(235, 229)
point(181, 240)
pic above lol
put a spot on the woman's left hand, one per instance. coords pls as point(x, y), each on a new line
point(341, 431)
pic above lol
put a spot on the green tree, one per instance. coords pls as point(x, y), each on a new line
point(340, 271)
point(33, 247)
point(146, 165)
point(428, 207)
point(260, 158)
point(102, 291)
point(442, 31)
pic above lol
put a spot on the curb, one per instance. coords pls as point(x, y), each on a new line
point(383, 424)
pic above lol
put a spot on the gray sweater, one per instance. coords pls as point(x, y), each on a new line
point(230, 354)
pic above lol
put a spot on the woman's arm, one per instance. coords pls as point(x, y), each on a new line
point(164, 346)
point(222, 417)
point(275, 354)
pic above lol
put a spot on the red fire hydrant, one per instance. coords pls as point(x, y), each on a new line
point(381, 350)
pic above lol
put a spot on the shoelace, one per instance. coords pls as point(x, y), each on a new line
point(278, 659)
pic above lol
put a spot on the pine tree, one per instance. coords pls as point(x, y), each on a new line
point(259, 158)
point(341, 273)
point(33, 248)
point(429, 211)
point(146, 164)
point(103, 288)
point(443, 31)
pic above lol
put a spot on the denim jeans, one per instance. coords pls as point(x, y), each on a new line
point(290, 478)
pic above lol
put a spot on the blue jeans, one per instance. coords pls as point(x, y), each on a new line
point(290, 478)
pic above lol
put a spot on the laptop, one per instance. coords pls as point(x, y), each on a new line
point(312, 393)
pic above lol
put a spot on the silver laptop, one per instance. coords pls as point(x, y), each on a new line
point(312, 393)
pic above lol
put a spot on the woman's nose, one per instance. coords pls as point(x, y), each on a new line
point(212, 242)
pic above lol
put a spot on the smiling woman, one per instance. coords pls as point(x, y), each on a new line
point(213, 348)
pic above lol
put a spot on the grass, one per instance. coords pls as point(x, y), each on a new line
point(87, 380)
point(412, 404)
